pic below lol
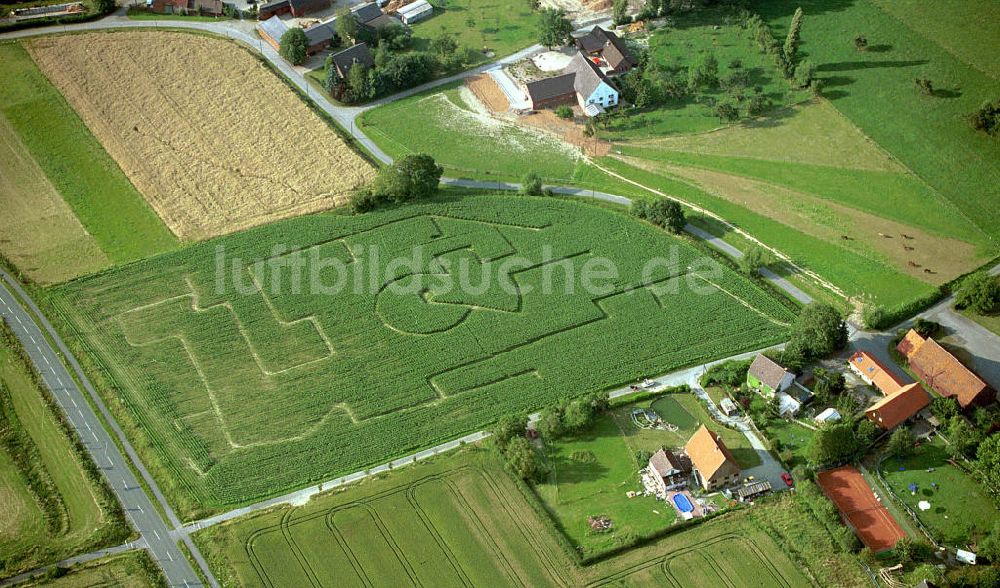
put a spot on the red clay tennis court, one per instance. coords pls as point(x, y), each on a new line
point(847, 488)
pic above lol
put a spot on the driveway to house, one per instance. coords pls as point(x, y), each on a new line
point(516, 97)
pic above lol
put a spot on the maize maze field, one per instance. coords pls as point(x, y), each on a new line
point(288, 354)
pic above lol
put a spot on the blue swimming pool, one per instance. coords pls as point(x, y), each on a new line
point(683, 504)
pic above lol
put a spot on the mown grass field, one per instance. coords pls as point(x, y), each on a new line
point(500, 26)
point(591, 471)
point(53, 507)
point(875, 90)
point(462, 521)
point(961, 510)
point(88, 179)
point(134, 569)
point(237, 382)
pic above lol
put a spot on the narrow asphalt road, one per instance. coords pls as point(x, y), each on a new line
point(138, 506)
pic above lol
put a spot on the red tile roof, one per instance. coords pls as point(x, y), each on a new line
point(896, 408)
point(708, 453)
point(870, 368)
point(942, 371)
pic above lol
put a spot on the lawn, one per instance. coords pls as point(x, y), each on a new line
point(961, 510)
point(135, 13)
point(592, 471)
point(460, 520)
point(696, 33)
point(88, 179)
point(54, 508)
point(253, 374)
point(875, 89)
point(792, 437)
point(134, 569)
point(590, 474)
point(500, 26)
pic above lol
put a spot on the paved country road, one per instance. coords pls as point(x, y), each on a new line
point(139, 508)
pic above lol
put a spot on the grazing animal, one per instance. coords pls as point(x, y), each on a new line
point(846, 238)
point(884, 236)
point(907, 248)
point(927, 270)
point(905, 236)
point(913, 264)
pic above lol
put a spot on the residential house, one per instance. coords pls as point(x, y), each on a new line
point(874, 373)
point(943, 372)
point(344, 60)
point(415, 11)
point(203, 7)
point(581, 81)
point(768, 377)
point(320, 36)
point(669, 470)
point(607, 50)
point(297, 8)
point(898, 407)
point(711, 461)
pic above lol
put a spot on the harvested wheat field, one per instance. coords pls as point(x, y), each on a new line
point(214, 140)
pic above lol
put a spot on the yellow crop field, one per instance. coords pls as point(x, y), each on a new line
point(214, 140)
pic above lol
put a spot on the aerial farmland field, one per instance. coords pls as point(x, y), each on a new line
point(174, 125)
point(462, 521)
point(239, 377)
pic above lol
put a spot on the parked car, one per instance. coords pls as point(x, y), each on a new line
point(787, 478)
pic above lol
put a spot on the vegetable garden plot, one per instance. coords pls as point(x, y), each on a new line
point(251, 380)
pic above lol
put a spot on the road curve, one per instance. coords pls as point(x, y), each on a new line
point(138, 506)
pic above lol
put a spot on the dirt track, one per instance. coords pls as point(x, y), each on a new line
point(210, 136)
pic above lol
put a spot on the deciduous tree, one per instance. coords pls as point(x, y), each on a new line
point(819, 330)
point(980, 293)
point(293, 45)
point(554, 29)
point(522, 459)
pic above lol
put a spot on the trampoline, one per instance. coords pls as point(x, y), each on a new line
point(683, 504)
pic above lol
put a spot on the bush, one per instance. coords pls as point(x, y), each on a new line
point(980, 293)
point(924, 86)
point(363, 200)
point(531, 184)
point(412, 177)
point(987, 118)
point(664, 213)
point(861, 43)
point(804, 74)
point(564, 111)
point(294, 44)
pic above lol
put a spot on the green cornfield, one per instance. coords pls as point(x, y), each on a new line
point(241, 370)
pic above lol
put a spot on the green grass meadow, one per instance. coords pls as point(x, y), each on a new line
point(875, 89)
point(90, 181)
point(462, 521)
point(271, 376)
point(961, 512)
point(500, 26)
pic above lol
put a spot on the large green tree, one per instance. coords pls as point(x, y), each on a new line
point(980, 293)
point(509, 427)
point(792, 40)
point(962, 437)
point(988, 460)
point(832, 444)
point(294, 44)
point(412, 177)
point(900, 442)
point(347, 25)
point(554, 29)
point(522, 459)
point(819, 330)
point(619, 12)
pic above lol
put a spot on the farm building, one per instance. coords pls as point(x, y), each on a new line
point(581, 81)
point(371, 16)
point(874, 373)
point(748, 492)
point(320, 35)
point(767, 377)
point(943, 372)
point(898, 407)
point(711, 461)
point(608, 50)
point(418, 10)
point(203, 7)
point(296, 8)
point(669, 470)
point(344, 60)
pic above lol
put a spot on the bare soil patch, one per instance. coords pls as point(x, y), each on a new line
point(211, 137)
point(926, 257)
point(569, 130)
point(488, 92)
point(39, 232)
